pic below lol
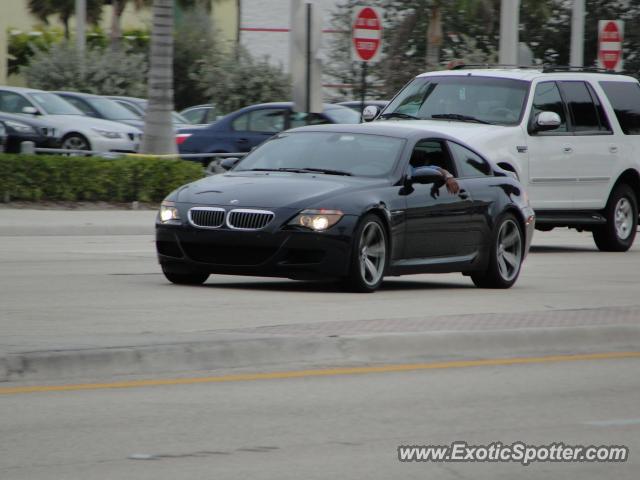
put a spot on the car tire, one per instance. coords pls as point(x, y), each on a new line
point(369, 255)
point(75, 141)
point(505, 257)
point(193, 278)
point(621, 212)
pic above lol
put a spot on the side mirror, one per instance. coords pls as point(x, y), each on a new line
point(229, 163)
point(426, 175)
point(370, 112)
point(547, 121)
point(30, 110)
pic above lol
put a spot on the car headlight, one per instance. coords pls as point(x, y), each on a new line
point(317, 220)
point(107, 133)
point(168, 212)
point(19, 127)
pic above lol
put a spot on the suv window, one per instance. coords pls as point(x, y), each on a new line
point(625, 100)
point(547, 99)
point(583, 109)
point(469, 163)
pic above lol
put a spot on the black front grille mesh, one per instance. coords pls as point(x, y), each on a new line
point(249, 219)
point(210, 218)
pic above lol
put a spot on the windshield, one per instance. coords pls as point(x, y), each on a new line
point(111, 110)
point(342, 115)
point(354, 154)
point(52, 104)
point(487, 99)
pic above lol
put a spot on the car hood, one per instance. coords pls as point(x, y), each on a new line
point(68, 122)
point(473, 133)
point(271, 189)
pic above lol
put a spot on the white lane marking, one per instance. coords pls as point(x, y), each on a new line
point(619, 422)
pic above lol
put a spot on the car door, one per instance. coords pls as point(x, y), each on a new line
point(436, 220)
point(595, 150)
point(552, 176)
point(252, 128)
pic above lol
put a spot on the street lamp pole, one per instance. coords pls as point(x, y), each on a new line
point(576, 58)
point(509, 25)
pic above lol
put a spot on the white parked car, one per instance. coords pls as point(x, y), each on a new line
point(77, 131)
point(572, 137)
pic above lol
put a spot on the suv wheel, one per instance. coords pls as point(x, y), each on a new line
point(621, 212)
point(505, 260)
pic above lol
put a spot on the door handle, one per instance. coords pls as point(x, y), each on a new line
point(613, 149)
point(567, 150)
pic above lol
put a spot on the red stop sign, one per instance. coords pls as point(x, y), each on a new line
point(366, 34)
point(610, 45)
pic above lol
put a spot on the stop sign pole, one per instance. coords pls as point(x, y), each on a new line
point(366, 41)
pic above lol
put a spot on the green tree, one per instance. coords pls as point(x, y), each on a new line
point(233, 80)
point(64, 9)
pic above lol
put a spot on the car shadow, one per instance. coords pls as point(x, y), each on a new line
point(333, 287)
point(560, 249)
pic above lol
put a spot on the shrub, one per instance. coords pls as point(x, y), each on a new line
point(106, 72)
point(62, 178)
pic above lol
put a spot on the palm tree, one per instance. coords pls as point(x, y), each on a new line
point(159, 136)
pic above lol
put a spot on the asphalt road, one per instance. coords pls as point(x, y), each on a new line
point(101, 288)
point(326, 427)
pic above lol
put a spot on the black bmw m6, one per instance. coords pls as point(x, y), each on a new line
point(352, 203)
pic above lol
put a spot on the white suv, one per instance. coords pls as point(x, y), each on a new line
point(571, 136)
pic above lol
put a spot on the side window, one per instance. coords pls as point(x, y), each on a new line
point(605, 126)
point(241, 124)
point(81, 105)
point(12, 102)
point(547, 99)
point(211, 115)
point(267, 120)
point(300, 119)
point(584, 116)
point(625, 100)
point(194, 116)
point(432, 153)
point(469, 163)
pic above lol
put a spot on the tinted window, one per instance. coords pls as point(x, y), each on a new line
point(12, 102)
point(547, 99)
point(469, 164)
point(267, 120)
point(355, 153)
point(431, 153)
point(602, 116)
point(625, 100)
point(584, 116)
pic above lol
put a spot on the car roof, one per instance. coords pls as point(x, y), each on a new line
point(21, 89)
point(388, 129)
point(529, 74)
point(75, 94)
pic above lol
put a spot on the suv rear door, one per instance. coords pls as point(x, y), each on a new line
point(595, 150)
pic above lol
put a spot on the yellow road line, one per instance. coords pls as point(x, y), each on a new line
point(327, 372)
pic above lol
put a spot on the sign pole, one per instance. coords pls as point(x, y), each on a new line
point(363, 95)
point(307, 108)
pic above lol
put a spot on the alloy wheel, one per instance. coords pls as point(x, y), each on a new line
point(372, 251)
point(623, 218)
point(509, 253)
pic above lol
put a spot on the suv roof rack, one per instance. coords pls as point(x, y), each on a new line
point(462, 66)
point(570, 69)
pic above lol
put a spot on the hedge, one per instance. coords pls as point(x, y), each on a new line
point(71, 178)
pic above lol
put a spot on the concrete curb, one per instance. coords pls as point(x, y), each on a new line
point(258, 352)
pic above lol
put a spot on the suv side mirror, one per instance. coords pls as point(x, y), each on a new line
point(229, 162)
point(369, 113)
point(30, 110)
point(547, 121)
point(426, 175)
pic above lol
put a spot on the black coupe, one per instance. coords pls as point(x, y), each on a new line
point(350, 202)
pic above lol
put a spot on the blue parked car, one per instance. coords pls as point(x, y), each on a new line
point(248, 127)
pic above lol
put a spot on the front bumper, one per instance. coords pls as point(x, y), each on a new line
point(530, 227)
point(125, 144)
point(277, 252)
